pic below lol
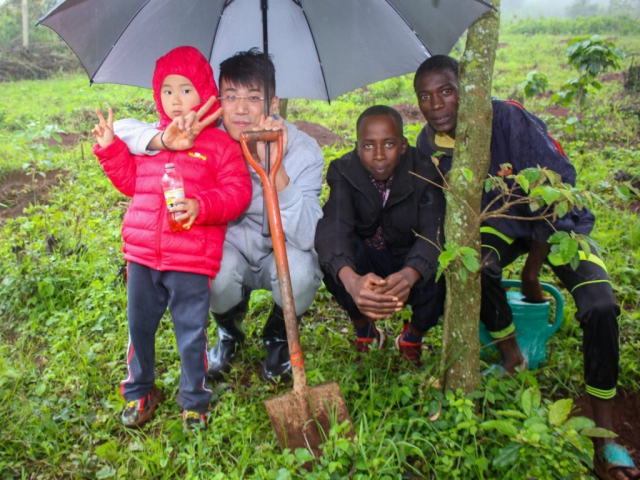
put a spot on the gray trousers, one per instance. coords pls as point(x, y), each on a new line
point(149, 293)
point(237, 277)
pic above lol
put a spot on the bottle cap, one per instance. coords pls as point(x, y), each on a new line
point(168, 166)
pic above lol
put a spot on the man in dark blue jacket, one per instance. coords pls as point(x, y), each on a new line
point(520, 140)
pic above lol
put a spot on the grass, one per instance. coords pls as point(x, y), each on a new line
point(63, 331)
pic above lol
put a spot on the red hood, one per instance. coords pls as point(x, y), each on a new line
point(190, 63)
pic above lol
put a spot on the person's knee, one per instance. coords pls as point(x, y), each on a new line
point(306, 277)
point(601, 312)
point(227, 288)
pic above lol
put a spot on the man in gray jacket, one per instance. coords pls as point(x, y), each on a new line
point(248, 262)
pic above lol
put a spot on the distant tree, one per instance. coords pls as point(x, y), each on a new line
point(582, 8)
point(626, 7)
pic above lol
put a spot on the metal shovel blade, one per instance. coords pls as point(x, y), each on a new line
point(302, 418)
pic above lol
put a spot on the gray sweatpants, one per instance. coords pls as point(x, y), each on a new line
point(237, 276)
point(149, 292)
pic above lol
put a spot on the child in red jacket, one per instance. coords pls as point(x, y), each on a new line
point(167, 269)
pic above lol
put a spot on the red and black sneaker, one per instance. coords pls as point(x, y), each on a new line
point(138, 412)
point(411, 351)
point(364, 345)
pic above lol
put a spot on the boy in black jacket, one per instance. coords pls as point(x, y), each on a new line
point(372, 260)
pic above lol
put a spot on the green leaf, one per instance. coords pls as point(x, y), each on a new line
point(505, 427)
point(568, 248)
point(468, 174)
point(574, 262)
point(510, 414)
point(623, 192)
point(106, 472)
point(559, 411)
point(463, 273)
point(107, 451)
point(530, 400)
point(562, 209)
point(524, 183)
point(579, 423)
point(507, 455)
point(471, 262)
point(597, 432)
point(550, 194)
point(303, 455)
point(557, 237)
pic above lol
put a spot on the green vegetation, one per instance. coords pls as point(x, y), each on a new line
point(63, 308)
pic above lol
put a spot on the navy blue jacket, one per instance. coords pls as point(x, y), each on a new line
point(520, 139)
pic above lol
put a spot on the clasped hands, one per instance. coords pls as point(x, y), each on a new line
point(377, 297)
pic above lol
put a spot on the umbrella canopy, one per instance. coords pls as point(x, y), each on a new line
point(321, 48)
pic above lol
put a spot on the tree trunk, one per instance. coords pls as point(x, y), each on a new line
point(461, 346)
point(25, 23)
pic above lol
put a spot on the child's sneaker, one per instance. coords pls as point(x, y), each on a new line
point(139, 412)
point(364, 345)
point(194, 420)
point(411, 351)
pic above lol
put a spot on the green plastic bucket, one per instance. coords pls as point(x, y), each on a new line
point(533, 322)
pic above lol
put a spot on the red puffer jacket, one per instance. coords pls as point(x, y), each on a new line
point(214, 173)
point(216, 176)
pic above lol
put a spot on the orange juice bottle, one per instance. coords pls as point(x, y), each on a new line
point(173, 187)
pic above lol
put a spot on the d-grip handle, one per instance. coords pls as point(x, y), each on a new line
point(263, 136)
point(279, 250)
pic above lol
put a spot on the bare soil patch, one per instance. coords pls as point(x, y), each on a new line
point(17, 191)
point(410, 113)
point(557, 111)
point(626, 419)
point(68, 139)
point(612, 77)
point(320, 134)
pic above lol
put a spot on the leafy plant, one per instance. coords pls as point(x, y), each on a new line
point(535, 84)
point(538, 440)
point(34, 139)
point(590, 56)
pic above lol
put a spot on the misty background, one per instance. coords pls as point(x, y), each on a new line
point(518, 9)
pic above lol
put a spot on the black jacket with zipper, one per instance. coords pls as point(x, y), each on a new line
point(354, 209)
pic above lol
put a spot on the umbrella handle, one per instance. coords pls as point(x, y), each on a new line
point(279, 248)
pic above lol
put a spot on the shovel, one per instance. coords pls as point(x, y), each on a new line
point(301, 418)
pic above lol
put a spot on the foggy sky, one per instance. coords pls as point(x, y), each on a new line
point(537, 8)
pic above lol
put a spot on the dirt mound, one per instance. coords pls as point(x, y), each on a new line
point(557, 111)
point(35, 63)
point(18, 191)
point(320, 134)
point(626, 419)
point(410, 113)
point(612, 77)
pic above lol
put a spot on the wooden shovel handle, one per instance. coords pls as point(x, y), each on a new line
point(279, 248)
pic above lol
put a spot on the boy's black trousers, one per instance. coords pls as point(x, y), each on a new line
point(149, 293)
point(426, 300)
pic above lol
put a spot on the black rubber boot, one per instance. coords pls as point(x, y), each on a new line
point(276, 363)
point(230, 339)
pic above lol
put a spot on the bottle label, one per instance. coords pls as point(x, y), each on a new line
point(174, 196)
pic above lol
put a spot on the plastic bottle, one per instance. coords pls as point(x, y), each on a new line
point(173, 187)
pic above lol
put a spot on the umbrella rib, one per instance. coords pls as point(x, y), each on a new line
point(326, 87)
point(213, 42)
point(408, 25)
point(116, 40)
